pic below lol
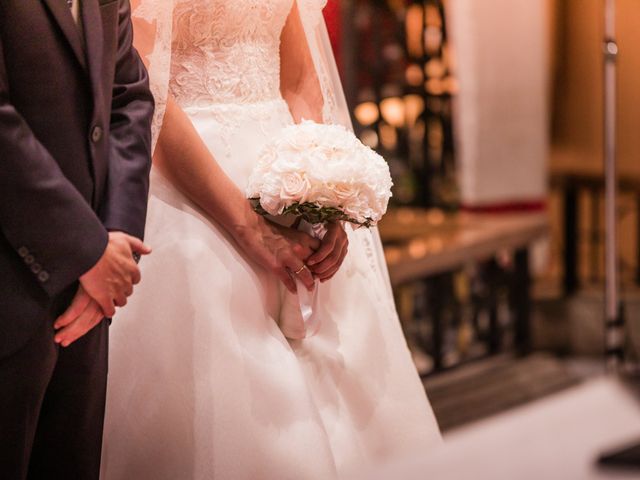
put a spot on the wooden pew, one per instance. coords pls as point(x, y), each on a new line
point(426, 245)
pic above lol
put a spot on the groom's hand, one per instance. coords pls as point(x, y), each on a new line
point(111, 280)
point(83, 314)
point(327, 260)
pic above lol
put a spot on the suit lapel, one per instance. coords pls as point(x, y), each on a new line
point(92, 22)
point(62, 15)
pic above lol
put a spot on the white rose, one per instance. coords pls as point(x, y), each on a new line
point(270, 198)
point(294, 188)
point(290, 162)
point(323, 164)
point(346, 193)
point(324, 196)
point(357, 208)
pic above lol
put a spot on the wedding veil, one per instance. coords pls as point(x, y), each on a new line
point(153, 21)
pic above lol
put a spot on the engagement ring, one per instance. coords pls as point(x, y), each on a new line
point(301, 269)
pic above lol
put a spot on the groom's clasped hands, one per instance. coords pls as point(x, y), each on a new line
point(282, 250)
point(104, 287)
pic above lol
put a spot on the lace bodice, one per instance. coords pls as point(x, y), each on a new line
point(227, 51)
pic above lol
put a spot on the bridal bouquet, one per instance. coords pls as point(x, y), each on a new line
point(318, 173)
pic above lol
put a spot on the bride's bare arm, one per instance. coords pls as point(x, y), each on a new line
point(182, 156)
point(299, 83)
point(301, 90)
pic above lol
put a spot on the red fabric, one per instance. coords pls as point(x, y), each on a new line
point(332, 17)
point(507, 207)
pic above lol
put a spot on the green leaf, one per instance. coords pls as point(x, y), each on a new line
point(313, 213)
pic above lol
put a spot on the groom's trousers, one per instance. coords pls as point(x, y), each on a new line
point(51, 419)
point(75, 145)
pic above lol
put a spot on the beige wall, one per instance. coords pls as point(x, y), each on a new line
point(577, 118)
point(501, 115)
point(577, 111)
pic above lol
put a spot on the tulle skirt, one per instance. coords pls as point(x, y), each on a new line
point(202, 383)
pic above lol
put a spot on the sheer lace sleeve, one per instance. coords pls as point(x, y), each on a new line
point(335, 109)
point(153, 34)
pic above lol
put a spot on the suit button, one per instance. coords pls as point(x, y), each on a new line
point(43, 276)
point(36, 268)
point(23, 251)
point(96, 134)
point(29, 259)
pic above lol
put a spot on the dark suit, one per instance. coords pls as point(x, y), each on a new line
point(75, 118)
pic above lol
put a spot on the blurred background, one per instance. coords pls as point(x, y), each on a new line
point(490, 114)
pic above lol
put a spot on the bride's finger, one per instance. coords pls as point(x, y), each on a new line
point(285, 277)
point(303, 252)
point(307, 278)
point(308, 241)
point(331, 262)
point(326, 248)
point(300, 271)
point(336, 267)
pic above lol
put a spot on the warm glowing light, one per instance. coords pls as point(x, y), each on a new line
point(393, 111)
point(388, 136)
point(414, 106)
point(414, 75)
point(435, 134)
point(451, 85)
point(432, 16)
point(369, 138)
point(435, 245)
point(448, 57)
point(416, 133)
point(406, 215)
point(392, 255)
point(418, 248)
point(413, 22)
point(434, 86)
point(435, 216)
point(367, 113)
point(432, 39)
point(435, 68)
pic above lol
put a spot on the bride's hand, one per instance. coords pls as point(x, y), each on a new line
point(280, 250)
point(327, 260)
point(183, 157)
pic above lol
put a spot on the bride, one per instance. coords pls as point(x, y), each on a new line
point(203, 384)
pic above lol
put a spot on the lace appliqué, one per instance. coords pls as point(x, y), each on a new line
point(227, 52)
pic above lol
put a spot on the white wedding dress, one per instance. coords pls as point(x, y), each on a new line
point(202, 383)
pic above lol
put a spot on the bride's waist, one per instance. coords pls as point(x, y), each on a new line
point(240, 97)
point(242, 78)
point(229, 107)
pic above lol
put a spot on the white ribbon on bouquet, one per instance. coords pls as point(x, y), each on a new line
point(299, 316)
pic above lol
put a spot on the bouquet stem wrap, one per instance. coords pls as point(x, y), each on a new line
point(299, 316)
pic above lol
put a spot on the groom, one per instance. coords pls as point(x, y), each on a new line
point(75, 114)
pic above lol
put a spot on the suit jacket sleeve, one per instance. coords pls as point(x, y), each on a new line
point(125, 205)
point(42, 215)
